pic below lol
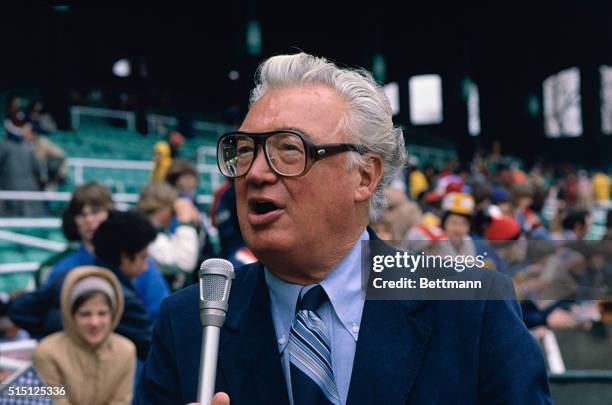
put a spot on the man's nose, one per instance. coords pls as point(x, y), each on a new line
point(260, 171)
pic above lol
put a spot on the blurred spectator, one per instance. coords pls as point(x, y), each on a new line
point(507, 252)
point(19, 171)
point(449, 183)
point(225, 218)
point(176, 252)
point(522, 198)
point(585, 190)
point(120, 244)
point(51, 159)
point(560, 276)
point(501, 198)
point(576, 223)
point(175, 140)
point(89, 206)
point(43, 121)
point(601, 187)
point(431, 206)
point(162, 161)
point(502, 228)
point(93, 364)
point(608, 234)
point(400, 213)
point(483, 196)
point(87, 209)
point(382, 228)
point(569, 189)
point(14, 116)
point(422, 236)
point(182, 175)
point(417, 182)
point(457, 210)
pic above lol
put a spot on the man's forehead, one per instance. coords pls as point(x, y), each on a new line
point(314, 111)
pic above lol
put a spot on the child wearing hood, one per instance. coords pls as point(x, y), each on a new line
point(95, 365)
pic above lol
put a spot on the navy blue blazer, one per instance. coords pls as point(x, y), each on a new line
point(408, 352)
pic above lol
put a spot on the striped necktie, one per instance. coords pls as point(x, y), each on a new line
point(312, 375)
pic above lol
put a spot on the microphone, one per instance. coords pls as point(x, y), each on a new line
point(215, 282)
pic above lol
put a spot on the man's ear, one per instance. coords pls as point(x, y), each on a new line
point(369, 177)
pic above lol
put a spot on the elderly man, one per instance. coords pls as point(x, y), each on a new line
point(310, 163)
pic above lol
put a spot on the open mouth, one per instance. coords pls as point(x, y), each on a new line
point(263, 207)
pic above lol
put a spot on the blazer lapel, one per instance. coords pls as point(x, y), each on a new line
point(248, 342)
point(389, 351)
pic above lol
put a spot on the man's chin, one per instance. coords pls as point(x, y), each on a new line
point(269, 242)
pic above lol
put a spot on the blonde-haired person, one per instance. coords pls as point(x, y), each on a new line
point(95, 365)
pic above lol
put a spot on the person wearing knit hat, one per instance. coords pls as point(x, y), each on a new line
point(501, 198)
point(499, 195)
point(89, 286)
point(431, 205)
point(450, 183)
point(504, 233)
point(502, 228)
point(457, 210)
point(95, 365)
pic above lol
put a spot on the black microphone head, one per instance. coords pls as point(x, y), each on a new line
point(215, 283)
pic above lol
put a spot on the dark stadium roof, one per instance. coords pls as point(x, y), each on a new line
point(506, 49)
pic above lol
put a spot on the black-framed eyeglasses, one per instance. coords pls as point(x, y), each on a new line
point(287, 152)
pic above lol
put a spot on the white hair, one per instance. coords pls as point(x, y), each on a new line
point(368, 120)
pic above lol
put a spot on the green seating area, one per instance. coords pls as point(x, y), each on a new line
point(431, 156)
point(112, 143)
point(11, 252)
point(104, 142)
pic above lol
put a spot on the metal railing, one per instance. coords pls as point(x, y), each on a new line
point(77, 111)
point(557, 372)
point(80, 164)
point(126, 198)
point(155, 121)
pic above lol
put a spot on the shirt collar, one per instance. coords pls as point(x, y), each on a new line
point(342, 286)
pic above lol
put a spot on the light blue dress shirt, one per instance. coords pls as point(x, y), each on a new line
point(341, 314)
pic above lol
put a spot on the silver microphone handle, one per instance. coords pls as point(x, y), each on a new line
point(215, 284)
point(208, 364)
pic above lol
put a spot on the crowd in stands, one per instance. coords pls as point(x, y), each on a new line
point(29, 161)
point(99, 299)
point(535, 226)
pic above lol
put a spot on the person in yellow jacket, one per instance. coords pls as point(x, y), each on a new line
point(162, 160)
point(417, 182)
point(601, 187)
point(95, 365)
